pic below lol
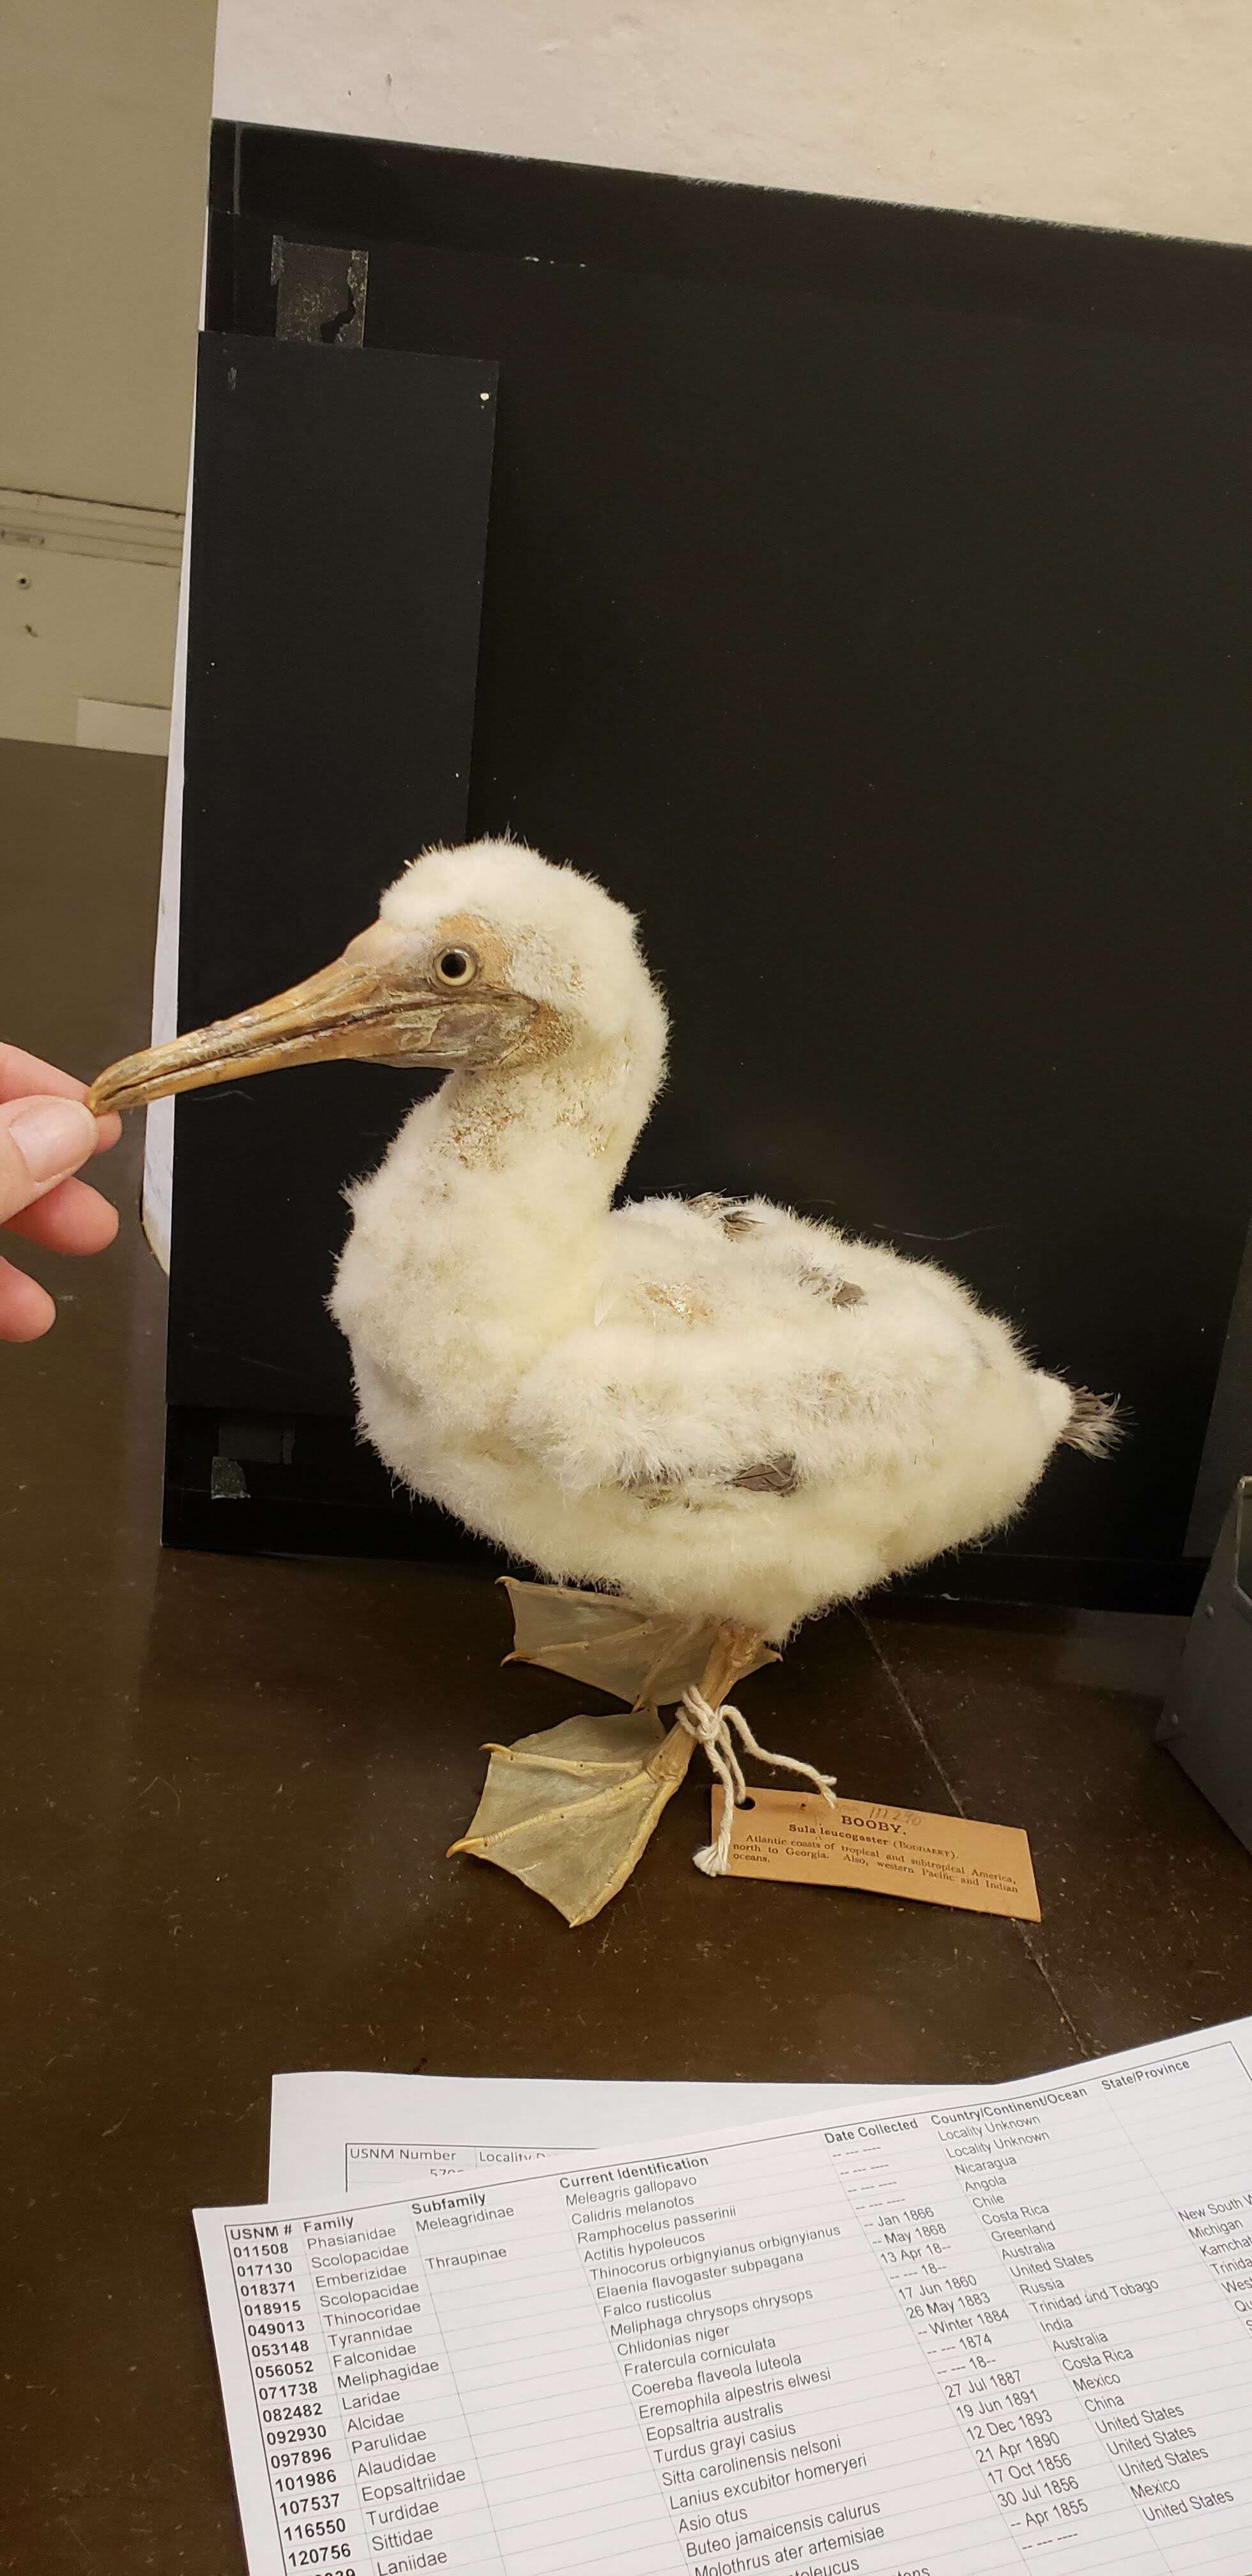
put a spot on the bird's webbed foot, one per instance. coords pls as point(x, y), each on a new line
point(570, 1810)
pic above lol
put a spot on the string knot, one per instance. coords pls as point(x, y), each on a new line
point(711, 1727)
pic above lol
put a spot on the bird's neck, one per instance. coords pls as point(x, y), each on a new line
point(499, 1186)
point(563, 1130)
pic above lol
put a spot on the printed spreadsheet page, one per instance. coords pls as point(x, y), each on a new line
point(368, 2134)
point(1010, 2329)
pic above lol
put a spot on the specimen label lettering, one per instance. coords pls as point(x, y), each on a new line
point(894, 1851)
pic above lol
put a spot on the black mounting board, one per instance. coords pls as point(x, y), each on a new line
point(865, 604)
point(338, 528)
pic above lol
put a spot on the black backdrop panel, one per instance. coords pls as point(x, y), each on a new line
point(866, 604)
point(339, 521)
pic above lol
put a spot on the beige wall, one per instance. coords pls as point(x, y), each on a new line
point(1133, 113)
point(104, 110)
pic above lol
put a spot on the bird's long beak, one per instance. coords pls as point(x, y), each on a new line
point(373, 1003)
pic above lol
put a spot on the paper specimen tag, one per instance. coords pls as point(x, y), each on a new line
point(894, 1851)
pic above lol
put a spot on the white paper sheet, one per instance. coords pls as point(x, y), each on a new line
point(362, 2134)
point(1009, 2331)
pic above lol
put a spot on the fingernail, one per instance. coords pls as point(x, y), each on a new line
point(53, 1136)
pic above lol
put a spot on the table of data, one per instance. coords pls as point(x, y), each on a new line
point(1010, 2333)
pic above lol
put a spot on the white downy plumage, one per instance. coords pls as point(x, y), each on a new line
point(721, 1415)
point(724, 1410)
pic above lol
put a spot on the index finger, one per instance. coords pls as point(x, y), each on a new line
point(22, 1074)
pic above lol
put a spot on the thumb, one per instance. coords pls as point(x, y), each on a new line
point(40, 1142)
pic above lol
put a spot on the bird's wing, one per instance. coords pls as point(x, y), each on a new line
point(747, 1349)
point(620, 1404)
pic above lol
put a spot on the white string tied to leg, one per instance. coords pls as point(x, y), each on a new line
point(711, 1728)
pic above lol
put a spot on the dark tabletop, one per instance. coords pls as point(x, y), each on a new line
point(231, 1784)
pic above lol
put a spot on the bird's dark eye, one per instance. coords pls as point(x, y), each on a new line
point(456, 966)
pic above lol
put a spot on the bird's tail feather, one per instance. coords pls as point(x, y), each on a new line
point(1096, 1423)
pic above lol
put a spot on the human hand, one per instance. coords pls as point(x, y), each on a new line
point(45, 1133)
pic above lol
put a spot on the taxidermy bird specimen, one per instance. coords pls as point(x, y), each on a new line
point(719, 1416)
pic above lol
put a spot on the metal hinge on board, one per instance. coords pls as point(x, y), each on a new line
point(243, 1444)
point(321, 292)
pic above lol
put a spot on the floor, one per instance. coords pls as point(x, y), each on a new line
point(232, 1784)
